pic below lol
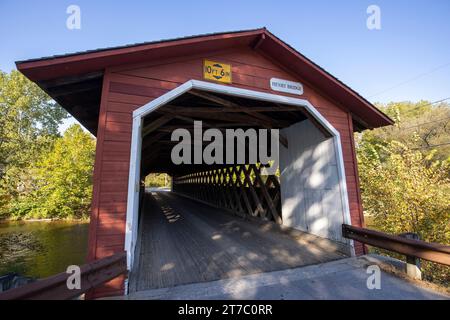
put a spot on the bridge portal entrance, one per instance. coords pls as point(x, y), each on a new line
point(221, 220)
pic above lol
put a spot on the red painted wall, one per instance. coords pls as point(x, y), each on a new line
point(128, 87)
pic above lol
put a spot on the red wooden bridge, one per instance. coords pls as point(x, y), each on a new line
point(220, 220)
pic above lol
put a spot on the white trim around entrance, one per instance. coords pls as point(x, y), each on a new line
point(136, 140)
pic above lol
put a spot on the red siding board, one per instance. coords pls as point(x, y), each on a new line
point(127, 99)
point(107, 251)
point(116, 156)
point(108, 218)
point(107, 176)
point(115, 166)
point(136, 90)
point(113, 127)
point(110, 240)
point(125, 106)
point(116, 146)
point(113, 228)
point(113, 208)
point(114, 186)
point(330, 115)
point(120, 117)
point(111, 197)
point(146, 82)
point(118, 136)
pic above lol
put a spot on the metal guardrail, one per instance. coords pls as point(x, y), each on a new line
point(55, 287)
point(433, 252)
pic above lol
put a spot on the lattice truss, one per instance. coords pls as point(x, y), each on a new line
point(240, 189)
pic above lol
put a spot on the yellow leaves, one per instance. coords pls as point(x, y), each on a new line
point(404, 192)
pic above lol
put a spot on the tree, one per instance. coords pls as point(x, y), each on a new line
point(26, 113)
point(405, 184)
point(29, 121)
point(61, 185)
point(406, 192)
point(418, 125)
point(157, 180)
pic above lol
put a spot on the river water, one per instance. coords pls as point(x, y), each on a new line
point(40, 249)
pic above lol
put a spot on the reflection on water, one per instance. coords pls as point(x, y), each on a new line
point(41, 249)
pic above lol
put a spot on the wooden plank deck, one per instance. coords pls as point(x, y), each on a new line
point(183, 241)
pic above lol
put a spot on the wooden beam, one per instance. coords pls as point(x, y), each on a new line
point(156, 124)
point(165, 142)
point(147, 142)
point(70, 80)
point(72, 89)
point(220, 126)
point(361, 122)
point(259, 41)
point(232, 117)
point(189, 110)
point(262, 120)
point(266, 121)
point(259, 207)
point(266, 195)
point(242, 189)
point(315, 122)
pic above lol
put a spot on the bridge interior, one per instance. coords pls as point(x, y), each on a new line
point(184, 241)
point(219, 221)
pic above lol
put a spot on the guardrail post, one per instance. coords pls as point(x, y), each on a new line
point(412, 263)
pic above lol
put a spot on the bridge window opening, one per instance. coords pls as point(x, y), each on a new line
point(157, 182)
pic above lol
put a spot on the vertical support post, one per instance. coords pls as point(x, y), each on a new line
point(412, 263)
point(134, 186)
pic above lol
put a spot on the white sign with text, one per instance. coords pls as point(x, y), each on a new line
point(286, 86)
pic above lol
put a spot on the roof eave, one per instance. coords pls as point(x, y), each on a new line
point(108, 57)
point(81, 63)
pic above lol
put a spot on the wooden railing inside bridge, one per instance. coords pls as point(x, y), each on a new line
point(55, 287)
point(241, 189)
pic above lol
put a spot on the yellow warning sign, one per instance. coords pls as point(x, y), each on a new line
point(217, 71)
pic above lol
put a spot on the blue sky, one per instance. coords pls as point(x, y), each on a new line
point(408, 59)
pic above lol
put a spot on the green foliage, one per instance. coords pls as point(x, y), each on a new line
point(26, 115)
point(29, 122)
point(61, 179)
point(157, 180)
point(42, 175)
point(405, 186)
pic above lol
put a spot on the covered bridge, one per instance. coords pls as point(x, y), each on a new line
point(133, 97)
